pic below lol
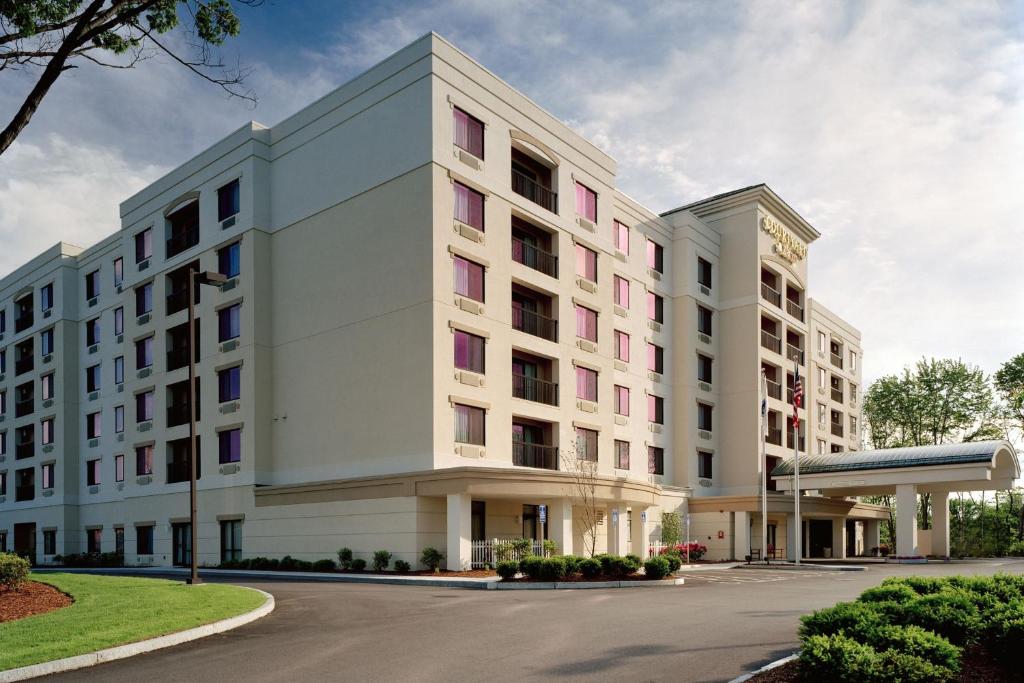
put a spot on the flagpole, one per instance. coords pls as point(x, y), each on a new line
point(798, 523)
point(764, 467)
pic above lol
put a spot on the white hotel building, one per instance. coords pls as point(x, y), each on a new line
point(437, 299)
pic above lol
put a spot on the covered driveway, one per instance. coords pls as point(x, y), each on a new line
point(905, 472)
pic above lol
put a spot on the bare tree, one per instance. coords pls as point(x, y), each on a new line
point(54, 36)
point(585, 514)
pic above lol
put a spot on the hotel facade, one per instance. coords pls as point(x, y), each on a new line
point(438, 305)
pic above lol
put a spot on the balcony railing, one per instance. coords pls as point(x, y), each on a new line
point(769, 294)
point(178, 470)
point(789, 442)
point(186, 239)
point(775, 436)
point(23, 408)
point(533, 389)
point(795, 309)
point(177, 415)
point(24, 493)
point(794, 353)
point(22, 366)
point(837, 395)
point(534, 323)
point(25, 450)
point(837, 429)
point(534, 455)
point(534, 191)
point(774, 389)
point(771, 342)
point(177, 358)
point(177, 300)
point(837, 360)
point(534, 257)
point(23, 323)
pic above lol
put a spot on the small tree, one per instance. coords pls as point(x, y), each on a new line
point(586, 513)
point(670, 528)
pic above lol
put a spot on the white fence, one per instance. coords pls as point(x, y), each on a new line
point(490, 552)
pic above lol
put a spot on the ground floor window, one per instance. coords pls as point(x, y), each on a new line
point(231, 540)
point(119, 540)
point(93, 540)
point(3, 541)
point(49, 541)
point(144, 540)
point(181, 543)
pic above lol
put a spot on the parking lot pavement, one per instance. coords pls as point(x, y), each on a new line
point(753, 575)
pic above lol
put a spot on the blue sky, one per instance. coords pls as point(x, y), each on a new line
point(897, 129)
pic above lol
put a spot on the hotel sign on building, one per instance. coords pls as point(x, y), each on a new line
point(787, 245)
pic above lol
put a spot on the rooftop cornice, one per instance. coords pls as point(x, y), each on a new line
point(760, 194)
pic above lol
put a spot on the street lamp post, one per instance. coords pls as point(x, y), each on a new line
point(195, 278)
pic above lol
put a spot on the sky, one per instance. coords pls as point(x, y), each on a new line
point(895, 128)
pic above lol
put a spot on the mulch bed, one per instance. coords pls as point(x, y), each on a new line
point(31, 598)
point(976, 667)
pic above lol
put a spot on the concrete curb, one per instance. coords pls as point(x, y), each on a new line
point(580, 585)
point(766, 667)
point(131, 649)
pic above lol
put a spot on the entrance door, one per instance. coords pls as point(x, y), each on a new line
point(772, 530)
point(479, 523)
point(25, 540)
point(851, 538)
point(819, 537)
point(181, 543)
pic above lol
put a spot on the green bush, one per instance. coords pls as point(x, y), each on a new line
point(1004, 634)
point(922, 585)
point(323, 566)
point(432, 558)
point(670, 528)
point(381, 560)
point(550, 547)
point(843, 660)
point(13, 570)
point(951, 614)
point(843, 616)
point(288, 564)
point(345, 558)
point(635, 561)
point(530, 566)
point(402, 566)
point(523, 546)
point(590, 568)
point(674, 561)
point(572, 564)
point(893, 666)
point(303, 565)
point(552, 569)
point(1016, 549)
point(507, 570)
point(913, 640)
point(895, 592)
point(657, 567)
point(358, 564)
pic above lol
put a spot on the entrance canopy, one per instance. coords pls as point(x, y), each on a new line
point(976, 466)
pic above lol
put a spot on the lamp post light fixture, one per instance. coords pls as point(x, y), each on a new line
point(195, 278)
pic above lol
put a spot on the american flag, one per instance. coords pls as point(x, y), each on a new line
point(798, 396)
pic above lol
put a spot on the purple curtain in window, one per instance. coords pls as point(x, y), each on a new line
point(469, 134)
point(469, 206)
point(586, 202)
point(230, 388)
point(469, 352)
point(469, 424)
point(229, 322)
point(586, 384)
point(230, 445)
point(144, 460)
point(586, 323)
point(622, 291)
point(469, 279)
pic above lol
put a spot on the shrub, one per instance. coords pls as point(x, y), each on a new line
point(898, 667)
point(1005, 634)
point(922, 585)
point(619, 567)
point(432, 558)
point(896, 592)
point(323, 566)
point(572, 564)
point(950, 614)
point(670, 527)
point(909, 639)
point(402, 566)
point(1016, 549)
point(656, 567)
point(674, 561)
point(590, 567)
point(345, 558)
point(507, 570)
point(289, 564)
point(844, 660)
point(13, 570)
point(844, 616)
point(523, 546)
point(530, 566)
point(552, 569)
point(550, 547)
point(358, 564)
point(381, 560)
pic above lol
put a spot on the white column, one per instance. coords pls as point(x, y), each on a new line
point(460, 522)
point(791, 538)
point(872, 534)
point(741, 537)
point(618, 530)
point(906, 519)
point(940, 524)
point(839, 538)
point(638, 531)
point(560, 524)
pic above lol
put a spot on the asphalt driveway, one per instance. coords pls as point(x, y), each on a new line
point(712, 629)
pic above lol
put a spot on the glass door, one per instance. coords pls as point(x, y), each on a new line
point(181, 537)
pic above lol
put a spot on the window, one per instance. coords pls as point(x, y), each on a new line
point(822, 380)
point(229, 322)
point(3, 361)
point(586, 202)
point(469, 206)
point(469, 279)
point(704, 365)
point(586, 263)
point(469, 133)
point(704, 320)
point(144, 353)
point(229, 260)
point(655, 307)
point(3, 486)
point(92, 378)
point(586, 384)
point(621, 400)
point(92, 285)
point(853, 391)
point(144, 540)
point(853, 360)
point(469, 351)
point(621, 455)
point(144, 406)
point(92, 425)
point(25, 484)
point(92, 472)
point(469, 424)
point(144, 299)
point(705, 461)
point(621, 346)
point(119, 540)
point(45, 298)
point(229, 444)
point(118, 271)
point(704, 412)
point(118, 468)
point(821, 447)
point(853, 425)
point(655, 256)
point(655, 409)
point(93, 540)
point(586, 323)
point(119, 370)
point(655, 460)
point(92, 332)
point(655, 358)
point(143, 245)
point(821, 413)
point(229, 384)
point(143, 460)
point(704, 272)
point(46, 427)
point(228, 200)
point(47, 473)
point(46, 342)
point(822, 342)
point(45, 386)
point(586, 444)
point(3, 443)
point(119, 320)
point(118, 419)
point(620, 236)
point(49, 541)
point(3, 402)
point(622, 291)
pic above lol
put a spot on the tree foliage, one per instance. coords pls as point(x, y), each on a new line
point(56, 35)
point(1009, 381)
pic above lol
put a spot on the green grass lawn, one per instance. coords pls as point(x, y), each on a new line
point(114, 610)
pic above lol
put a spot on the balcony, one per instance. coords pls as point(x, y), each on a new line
point(837, 360)
point(534, 257)
point(526, 454)
point(533, 389)
point(186, 239)
point(769, 294)
point(795, 353)
point(795, 309)
point(23, 322)
point(24, 450)
point(789, 442)
point(177, 415)
point(538, 194)
point(837, 395)
point(177, 358)
point(771, 342)
point(177, 301)
point(534, 323)
point(775, 435)
point(25, 493)
point(837, 429)
point(774, 390)
point(24, 365)
point(23, 408)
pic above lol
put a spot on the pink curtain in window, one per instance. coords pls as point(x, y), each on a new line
point(622, 346)
point(652, 407)
point(586, 263)
point(586, 323)
point(469, 134)
point(651, 258)
point(469, 279)
point(652, 357)
point(469, 352)
point(469, 206)
point(586, 384)
point(622, 291)
point(469, 425)
point(651, 305)
point(586, 202)
point(621, 237)
point(622, 400)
